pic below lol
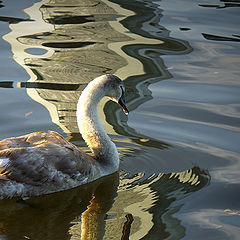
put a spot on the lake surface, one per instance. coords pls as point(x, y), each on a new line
point(179, 146)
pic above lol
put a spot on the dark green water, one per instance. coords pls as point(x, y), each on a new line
point(179, 146)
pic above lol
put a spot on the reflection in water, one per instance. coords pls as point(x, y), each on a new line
point(78, 39)
point(77, 36)
point(12, 20)
point(219, 6)
point(150, 56)
point(6, 84)
point(143, 209)
point(151, 201)
point(51, 216)
point(127, 227)
point(219, 38)
point(52, 86)
point(235, 3)
point(79, 45)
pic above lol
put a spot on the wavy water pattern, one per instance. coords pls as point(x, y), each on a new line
point(179, 146)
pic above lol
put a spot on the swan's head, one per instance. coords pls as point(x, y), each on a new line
point(115, 90)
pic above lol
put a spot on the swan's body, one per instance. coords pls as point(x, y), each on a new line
point(41, 163)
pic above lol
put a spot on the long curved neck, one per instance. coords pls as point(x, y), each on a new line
point(103, 149)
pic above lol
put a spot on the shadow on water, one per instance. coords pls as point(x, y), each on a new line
point(84, 211)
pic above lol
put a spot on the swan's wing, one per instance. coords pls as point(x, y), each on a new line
point(32, 140)
point(45, 163)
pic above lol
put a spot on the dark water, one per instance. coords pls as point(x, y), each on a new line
point(179, 146)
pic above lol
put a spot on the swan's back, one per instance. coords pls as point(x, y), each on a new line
point(41, 163)
point(32, 140)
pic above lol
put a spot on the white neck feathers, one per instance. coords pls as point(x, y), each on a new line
point(90, 127)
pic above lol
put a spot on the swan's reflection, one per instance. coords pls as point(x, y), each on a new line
point(141, 209)
point(51, 216)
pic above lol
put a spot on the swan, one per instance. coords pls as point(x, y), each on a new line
point(44, 162)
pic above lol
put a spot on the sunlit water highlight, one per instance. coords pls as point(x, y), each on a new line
point(179, 146)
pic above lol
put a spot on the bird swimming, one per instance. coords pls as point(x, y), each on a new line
point(44, 162)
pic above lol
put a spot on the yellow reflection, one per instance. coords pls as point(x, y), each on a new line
point(149, 200)
point(138, 206)
point(134, 66)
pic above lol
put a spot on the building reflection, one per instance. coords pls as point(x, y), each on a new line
point(149, 54)
point(152, 201)
point(82, 40)
point(75, 35)
point(143, 209)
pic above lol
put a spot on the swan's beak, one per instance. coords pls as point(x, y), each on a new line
point(122, 104)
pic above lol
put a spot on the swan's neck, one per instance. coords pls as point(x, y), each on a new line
point(103, 149)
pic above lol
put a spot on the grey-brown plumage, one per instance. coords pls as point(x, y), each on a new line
point(41, 163)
